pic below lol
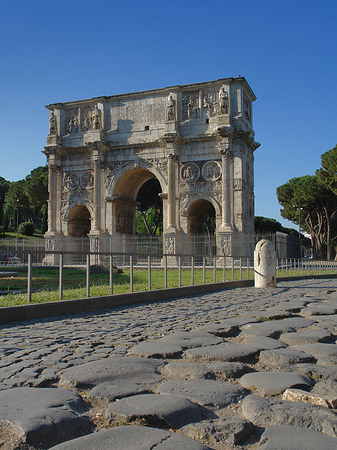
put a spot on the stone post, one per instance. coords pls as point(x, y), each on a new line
point(265, 264)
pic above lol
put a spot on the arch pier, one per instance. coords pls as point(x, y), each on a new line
point(196, 140)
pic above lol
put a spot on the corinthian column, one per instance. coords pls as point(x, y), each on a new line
point(226, 160)
point(171, 194)
point(52, 202)
point(97, 192)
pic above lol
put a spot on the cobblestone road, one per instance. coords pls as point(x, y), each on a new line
point(206, 371)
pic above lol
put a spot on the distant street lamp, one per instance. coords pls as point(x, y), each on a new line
point(17, 218)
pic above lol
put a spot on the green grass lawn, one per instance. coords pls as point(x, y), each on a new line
point(45, 282)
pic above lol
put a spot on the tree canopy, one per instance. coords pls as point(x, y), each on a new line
point(311, 201)
point(27, 198)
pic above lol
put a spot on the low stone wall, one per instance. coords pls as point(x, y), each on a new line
point(38, 310)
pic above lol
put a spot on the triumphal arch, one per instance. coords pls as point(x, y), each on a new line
point(197, 140)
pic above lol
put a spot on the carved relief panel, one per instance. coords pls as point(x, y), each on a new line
point(91, 118)
point(124, 220)
point(72, 121)
point(190, 172)
point(190, 105)
point(216, 102)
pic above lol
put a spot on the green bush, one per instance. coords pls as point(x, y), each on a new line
point(2, 230)
point(26, 228)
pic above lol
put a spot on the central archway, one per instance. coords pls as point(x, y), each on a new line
point(129, 195)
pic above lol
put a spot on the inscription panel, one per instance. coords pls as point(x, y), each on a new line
point(146, 111)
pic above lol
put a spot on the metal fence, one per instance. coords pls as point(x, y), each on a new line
point(221, 269)
point(241, 245)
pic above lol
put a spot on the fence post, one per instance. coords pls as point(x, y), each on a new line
point(179, 271)
point(224, 269)
point(240, 268)
point(203, 270)
point(29, 277)
point(192, 270)
point(61, 277)
point(165, 271)
point(149, 272)
point(214, 269)
point(232, 268)
point(247, 268)
point(88, 276)
point(131, 273)
point(111, 271)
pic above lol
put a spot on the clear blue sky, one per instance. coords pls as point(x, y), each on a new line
point(70, 50)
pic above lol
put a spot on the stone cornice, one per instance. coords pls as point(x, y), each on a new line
point(161, 91)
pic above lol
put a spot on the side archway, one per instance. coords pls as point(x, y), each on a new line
point(79, 221)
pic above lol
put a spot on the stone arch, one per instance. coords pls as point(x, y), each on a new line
point(198, 197)
point(123, 198)
point(79, 221)
point(134, 173)
point(196, 213)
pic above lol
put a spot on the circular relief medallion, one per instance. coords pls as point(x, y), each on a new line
point(71, 181)
point(211, 171)
point(190, 172)
point(87, 180)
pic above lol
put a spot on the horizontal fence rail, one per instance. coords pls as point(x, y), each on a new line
point(122, 272)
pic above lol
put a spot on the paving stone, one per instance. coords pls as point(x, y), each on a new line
point(173, 344)
point(284, 356)
point(270, 329)
point(223, 431)
point(316, 371)
point(306, 337)
point(108, 392)
point(298, 395)
point(42, 415)
point(265, 412)
point(192, 339)
point(264, 343)
point(165, 409)
point(326, 387)
point(273, 383)
point(193, 371)
point(293, 305)
point(132, 438)
point(223, 352)
point(238, 321)
point(270, 314)
point(288, 437)
point(112, 369)
point(156, 349)
point(205, 392)
point(317, 310)
point(319, 350)
point(298, 322)
point(325, 318)
point(219, 329)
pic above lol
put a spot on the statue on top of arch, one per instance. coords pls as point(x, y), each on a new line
point(170, 110)
point(223, 101)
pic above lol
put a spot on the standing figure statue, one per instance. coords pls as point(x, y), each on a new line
point(223, 101)
point(170, 111)
point(96, 119)
point(52, 123)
